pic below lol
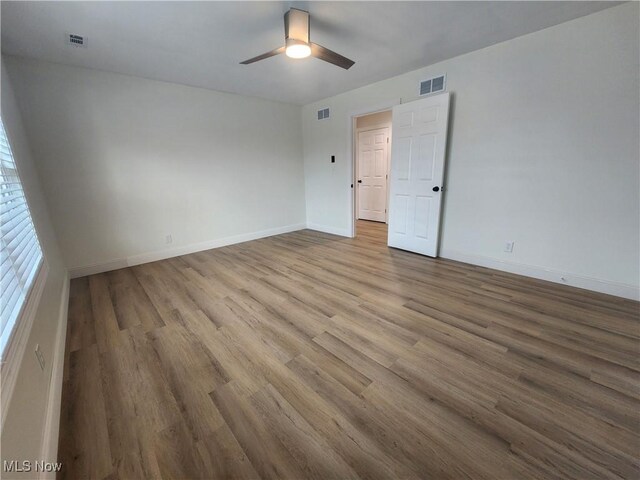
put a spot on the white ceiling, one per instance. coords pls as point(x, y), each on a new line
point(201, 43)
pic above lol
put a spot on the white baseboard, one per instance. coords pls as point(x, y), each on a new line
point(84, 270)
point(49, 445)
point(604, 286)
point(343, 232)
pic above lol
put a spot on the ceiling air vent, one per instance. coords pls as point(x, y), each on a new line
point(322, 114)
point(432, 85)
point(76, 40)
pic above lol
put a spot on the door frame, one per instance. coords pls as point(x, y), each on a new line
point(357, 133)
point(351, 129)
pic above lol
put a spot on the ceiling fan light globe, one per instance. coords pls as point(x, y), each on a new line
point(298, 50)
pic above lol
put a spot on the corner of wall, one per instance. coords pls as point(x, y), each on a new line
point(49, 445)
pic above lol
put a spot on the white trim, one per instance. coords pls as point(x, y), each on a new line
point(343, 232)
point(19, 338)
point(351, 127)
point(543, 273)
point(49, 445)
point(84, 270)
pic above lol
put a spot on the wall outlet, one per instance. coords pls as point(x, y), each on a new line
point(168, 239)
point(40, 357)
point(508, 246)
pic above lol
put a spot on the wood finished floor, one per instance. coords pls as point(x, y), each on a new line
point(307, 355)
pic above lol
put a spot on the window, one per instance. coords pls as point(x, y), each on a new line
point(20, 253)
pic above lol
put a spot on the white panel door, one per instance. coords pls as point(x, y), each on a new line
point(417, 168)
point(373, 155)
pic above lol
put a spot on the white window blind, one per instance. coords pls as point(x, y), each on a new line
point(20, 253)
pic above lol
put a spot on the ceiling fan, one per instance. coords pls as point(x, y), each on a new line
point(298, 45)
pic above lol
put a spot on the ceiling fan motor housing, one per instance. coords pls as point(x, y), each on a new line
point(296, 27)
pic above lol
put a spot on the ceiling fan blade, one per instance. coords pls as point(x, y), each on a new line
point(272, 53)
point(327, 55)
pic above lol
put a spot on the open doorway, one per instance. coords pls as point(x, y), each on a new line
point(372, 159)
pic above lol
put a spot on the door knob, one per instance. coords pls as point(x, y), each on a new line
point(359, 181)
point(436, 189)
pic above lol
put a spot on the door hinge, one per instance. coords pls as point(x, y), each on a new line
point(387, 139)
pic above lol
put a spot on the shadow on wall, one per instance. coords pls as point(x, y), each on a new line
point(447, 159)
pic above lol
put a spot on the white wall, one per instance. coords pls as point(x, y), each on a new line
point(543, 151)
point(126, 161)
point(24, 427)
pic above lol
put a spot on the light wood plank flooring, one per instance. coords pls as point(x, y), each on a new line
point(307, 355)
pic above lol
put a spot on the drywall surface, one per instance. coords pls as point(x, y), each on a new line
point(543, 151)
point(126, 162)
point(22, 433)
point(374, 119)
